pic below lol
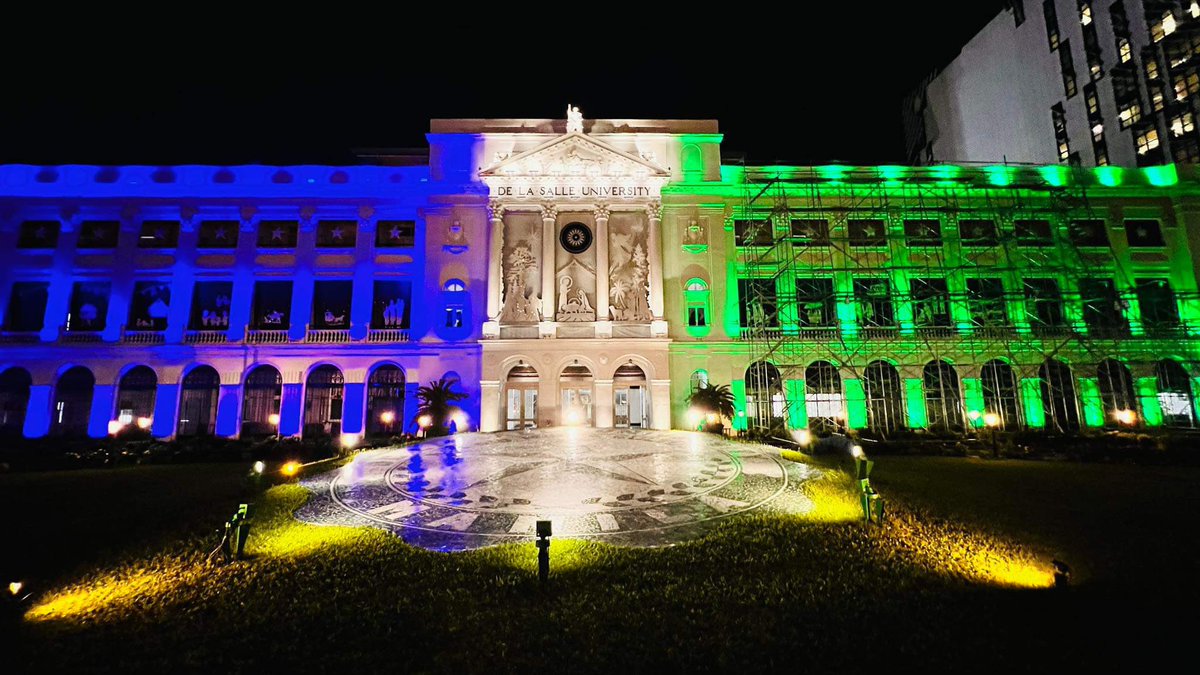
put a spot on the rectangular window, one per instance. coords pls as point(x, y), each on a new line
point(1088, 233)
point(159, 234)
point(978, 232)
point(1124, 50)
point(867, 232)
point(931, 302)
point(337, 233)
point(1044, 303)
point(1147, 141)
point(1051, 23)
point(810, 232)
point(873, 303)
point(89, 306)
point(1068, 69)
point(395, 233)
point(38, 234)
point(99, 234)
point(454, 317)
point(1059, 119)
point(1101, 305)
point(816, 305)
point(210, 305)
point(218, 234)
point(986, 300)
point(272, 305)
point(1033, 233)
point(696, 315)
point(149, 306)
point(759, 305)
point(1182, 124)
point(27, 306)
point(1144, 233)
point(331, 304)
point(1156, 300)
point(752, 232)
point(1091, 43)
point(1128, 114)
point(277, 233)
point(391, 306)
point(924, 232)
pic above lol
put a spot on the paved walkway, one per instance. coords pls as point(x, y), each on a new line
point(634, 487)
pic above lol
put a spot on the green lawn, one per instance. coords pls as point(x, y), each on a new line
point(932, 590)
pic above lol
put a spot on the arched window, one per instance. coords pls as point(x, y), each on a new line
point(454, 286)
point(1059, 404)
point(696, 297)
point(201, 389)
point(764, 396)
point(885, 406)
point(1116, 389)
point(943, 401)
point(135, 397)
point(1174, 394)
point(14, 400)
point(699, 380)
point(324, 391)
point(260, 402)
point(73, 402)
point(385, 400)
point(823, 397)
point(999, 386)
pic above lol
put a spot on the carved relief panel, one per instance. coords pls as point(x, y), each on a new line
point(521, 267)
point(629, 266)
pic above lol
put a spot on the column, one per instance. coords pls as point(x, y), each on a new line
point(489, 405)
point(122, 276)
point(243, 281)
point(601, 214)
point(660, 404)
point(166, 408)
point(102, 410)
point(654, 214)
point(602, 397)
point(495, 254)
point(58, 294)
point(549, 218)
point(302, 279)
point(291, 408)
point(183, 278)
point(363, 292)
point(408, 422)
point(354, 407)
point(229, 403)
point(38, 411)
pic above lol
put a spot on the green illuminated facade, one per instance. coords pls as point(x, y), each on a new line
point(944, 297)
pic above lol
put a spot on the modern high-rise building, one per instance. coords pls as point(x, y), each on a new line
point(594, 273)
point(1092, 83)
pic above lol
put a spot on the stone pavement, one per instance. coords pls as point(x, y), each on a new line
point(624, 486)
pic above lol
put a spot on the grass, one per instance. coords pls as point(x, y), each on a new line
point(945, 584)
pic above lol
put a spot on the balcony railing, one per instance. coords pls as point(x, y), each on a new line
point(80, 336)
point(271, 336)
point(142, 337)
point(205, 337)
point(994, 332)
point(326, 336)
point(378, 335)
point(19, 337)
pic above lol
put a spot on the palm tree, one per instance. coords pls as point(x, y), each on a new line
point(713, 399)
point(436, 406)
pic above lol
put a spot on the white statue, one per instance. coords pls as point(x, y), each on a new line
point(574, 119)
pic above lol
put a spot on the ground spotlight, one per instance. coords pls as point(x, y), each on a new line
point(973, 415)
point(1126, 417)
point(273, 419)
point(144, 422)
point(387, 417)
point(856, 452)
point(425, 421)
point(992, 420)
point(290, 469)
point(115, 427)
point(349, 440)
point(14, 587)
point(694, 416)
point(259, 467)
point(460, 420)
point(804, 437)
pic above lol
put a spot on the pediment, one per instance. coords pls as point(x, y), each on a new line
point(574, 155)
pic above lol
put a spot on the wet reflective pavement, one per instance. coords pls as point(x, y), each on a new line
point(631, 487)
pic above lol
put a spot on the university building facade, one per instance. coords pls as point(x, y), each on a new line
point(594, 272)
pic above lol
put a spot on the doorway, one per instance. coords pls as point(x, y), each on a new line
point(521, 398)
point(630, 399)
point(575, 383)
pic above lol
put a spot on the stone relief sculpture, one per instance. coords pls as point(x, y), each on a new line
point(573, 303)
point(693, 234)
point(629, 273)
point(519, 305)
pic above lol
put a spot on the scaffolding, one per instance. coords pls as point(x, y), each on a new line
point(887, 298)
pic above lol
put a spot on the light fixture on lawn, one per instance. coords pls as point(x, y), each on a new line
point(290, 469)
point(259, 467)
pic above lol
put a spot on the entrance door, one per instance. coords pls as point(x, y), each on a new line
point(522, 408)
point(630, 397)
point(621, 408)
point(636, 409)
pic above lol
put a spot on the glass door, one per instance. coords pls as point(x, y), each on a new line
point(621, 408)
point(521, 408)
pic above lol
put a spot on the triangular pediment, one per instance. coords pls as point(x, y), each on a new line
point(574, 154)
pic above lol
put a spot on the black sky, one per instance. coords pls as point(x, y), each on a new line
point(784, 87)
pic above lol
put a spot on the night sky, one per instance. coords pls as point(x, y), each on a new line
point(784, 91)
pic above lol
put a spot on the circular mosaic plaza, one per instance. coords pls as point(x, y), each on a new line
point(636, 487)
